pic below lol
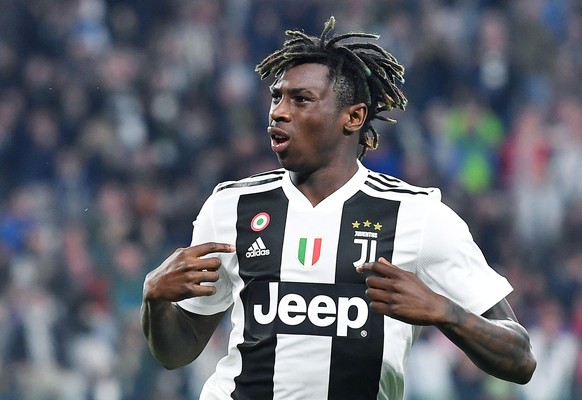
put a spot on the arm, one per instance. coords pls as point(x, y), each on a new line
point(495, 342)
point(177, 337)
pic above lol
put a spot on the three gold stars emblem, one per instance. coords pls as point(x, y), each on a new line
point(367, 224)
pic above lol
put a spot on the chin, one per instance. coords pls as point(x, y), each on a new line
point(296, 166)
point(283, 162)
point(287, 166)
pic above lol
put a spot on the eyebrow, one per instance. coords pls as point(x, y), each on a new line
point(292, 91)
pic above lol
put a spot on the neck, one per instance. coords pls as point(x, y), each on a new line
point(320, 184)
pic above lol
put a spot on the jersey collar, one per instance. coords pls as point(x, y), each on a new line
point(336, 198)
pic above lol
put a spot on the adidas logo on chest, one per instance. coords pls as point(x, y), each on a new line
point(257, 249)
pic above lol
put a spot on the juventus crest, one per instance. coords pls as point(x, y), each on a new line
point(367, 240)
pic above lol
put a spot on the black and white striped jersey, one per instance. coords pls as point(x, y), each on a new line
point(301, 327)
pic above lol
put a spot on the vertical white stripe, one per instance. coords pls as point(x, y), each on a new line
point(398, 336)
point(408, 235)
point(321, 225)
point(305, 374)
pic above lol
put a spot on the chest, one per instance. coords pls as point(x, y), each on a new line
point(278, 241)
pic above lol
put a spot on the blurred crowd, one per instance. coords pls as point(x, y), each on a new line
point(118, 117)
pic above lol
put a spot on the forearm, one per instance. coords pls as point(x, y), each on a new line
point(170, 334)
point(499, 347)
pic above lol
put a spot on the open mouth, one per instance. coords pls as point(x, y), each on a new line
point(278, 139)
point(278, 136)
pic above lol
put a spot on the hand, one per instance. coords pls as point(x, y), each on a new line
point(181, 275)
point(401, 295)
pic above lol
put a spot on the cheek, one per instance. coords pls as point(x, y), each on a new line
point(317, 120)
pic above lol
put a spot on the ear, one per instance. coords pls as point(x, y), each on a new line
point(356, 116)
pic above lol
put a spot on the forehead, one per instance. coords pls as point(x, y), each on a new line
point(309, 76)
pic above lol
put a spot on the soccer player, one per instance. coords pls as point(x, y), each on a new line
point(330, 268)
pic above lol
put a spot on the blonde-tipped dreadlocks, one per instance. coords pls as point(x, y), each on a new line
point(361, 71)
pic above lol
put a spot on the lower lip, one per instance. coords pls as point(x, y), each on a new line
point(279, 147)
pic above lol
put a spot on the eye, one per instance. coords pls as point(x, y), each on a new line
point(299, 99)
point(275, 97)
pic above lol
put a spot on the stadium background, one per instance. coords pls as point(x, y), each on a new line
point(117, 117)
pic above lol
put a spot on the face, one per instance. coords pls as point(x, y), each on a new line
point(306, 128)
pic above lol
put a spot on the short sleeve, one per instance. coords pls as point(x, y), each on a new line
point(203, 231)
point(451, 263)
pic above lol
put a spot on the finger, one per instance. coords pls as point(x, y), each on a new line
point(203, 249)
point(378, 282)
point(192, 257)
point(203, 276)
point(213, 247)
point(199, 290)
point(386, 262)
point(209, 264)
point(367, 267)
point(187, 263)
point(378, 295)
point(378, 268)
point(381, 308)
point(191, 290)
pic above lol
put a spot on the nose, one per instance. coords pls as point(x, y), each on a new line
point(279, 111)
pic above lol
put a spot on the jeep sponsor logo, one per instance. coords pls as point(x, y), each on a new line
point(311, 309)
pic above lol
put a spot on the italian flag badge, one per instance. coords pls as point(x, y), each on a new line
point(309, 251)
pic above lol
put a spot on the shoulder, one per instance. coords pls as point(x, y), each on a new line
point(258, 182)
point(385, 185)
point(224, 200)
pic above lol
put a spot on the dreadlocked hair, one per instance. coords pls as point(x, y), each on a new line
point(362, 72)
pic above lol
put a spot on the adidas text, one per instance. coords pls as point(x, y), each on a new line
point(257, 253)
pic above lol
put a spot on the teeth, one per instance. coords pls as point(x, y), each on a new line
point(278, 138)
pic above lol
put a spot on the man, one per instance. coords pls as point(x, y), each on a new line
point(330, 268)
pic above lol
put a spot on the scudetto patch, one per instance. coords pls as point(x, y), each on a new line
point(260, 221)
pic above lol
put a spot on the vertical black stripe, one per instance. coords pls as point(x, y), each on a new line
point(356, 363)
point(258, 353)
